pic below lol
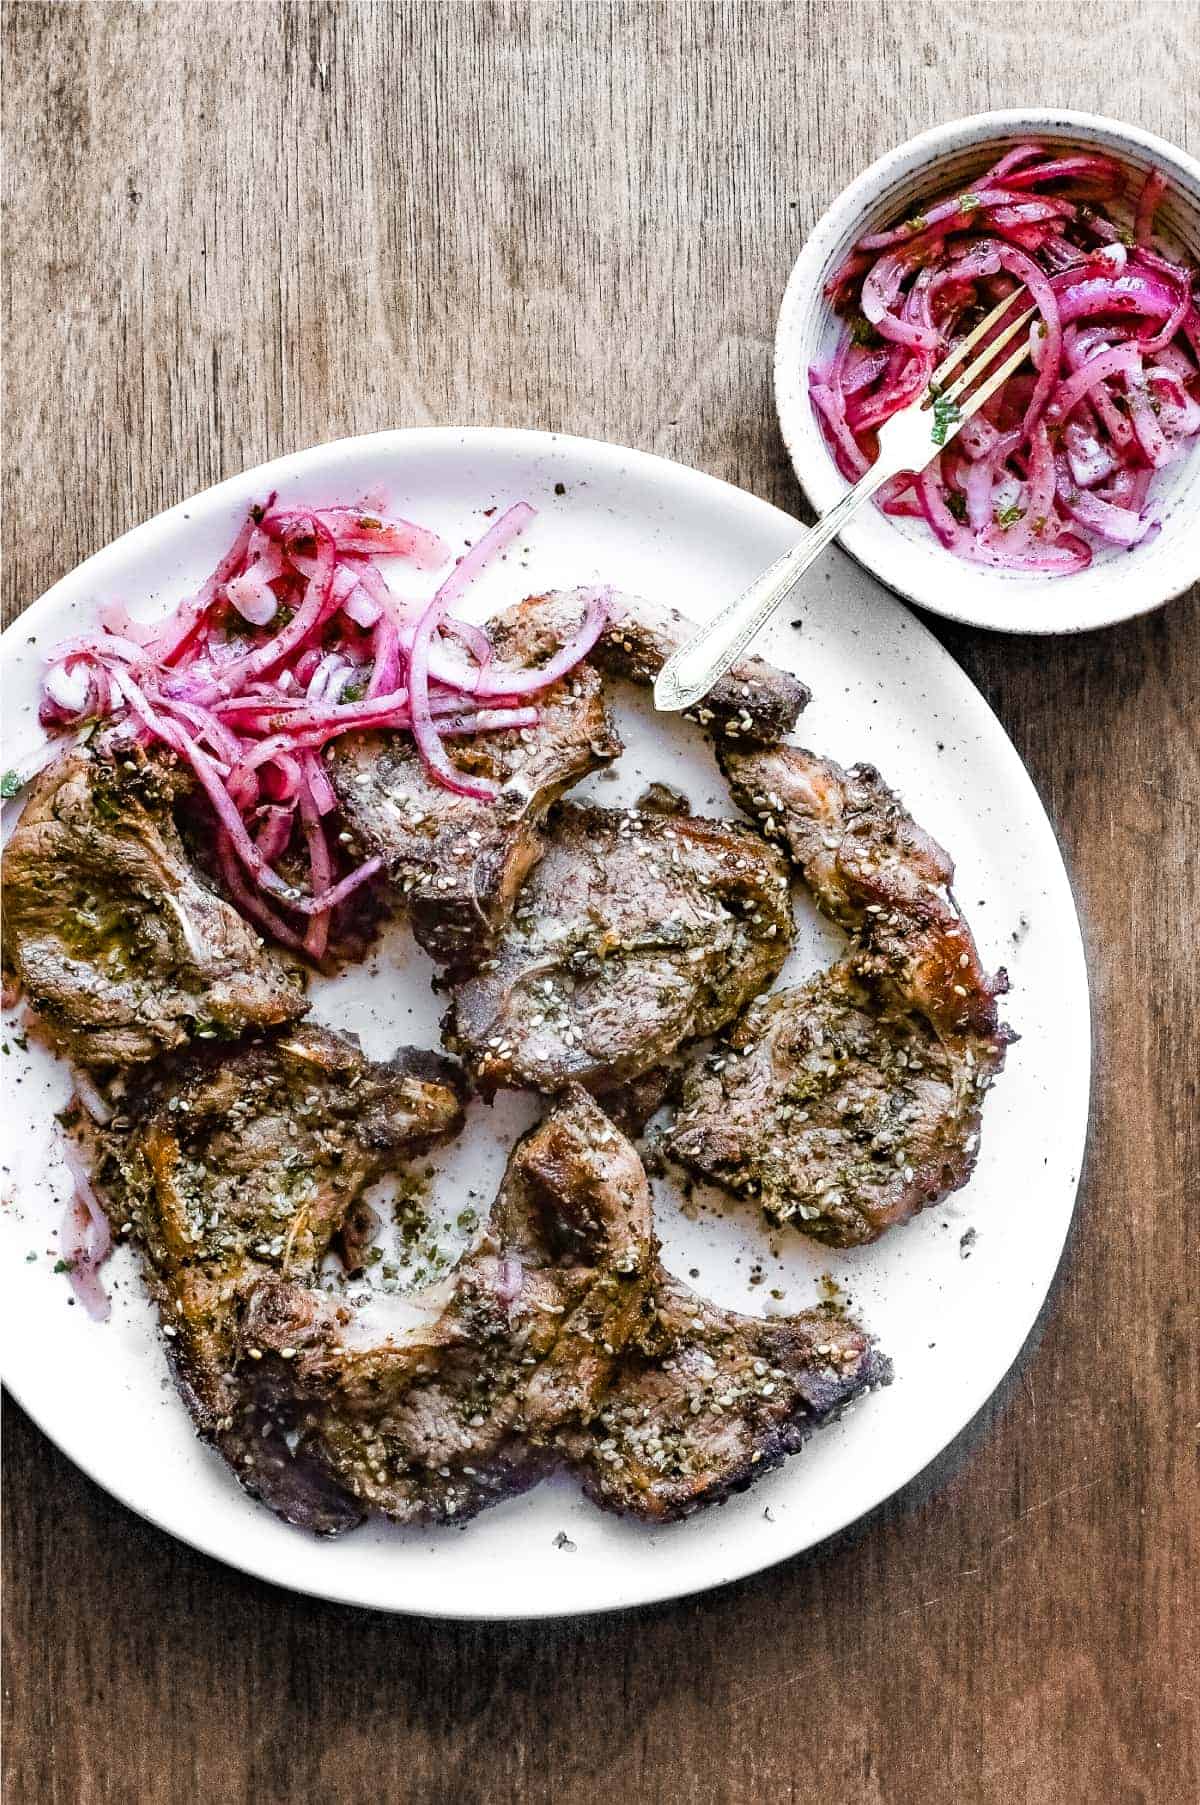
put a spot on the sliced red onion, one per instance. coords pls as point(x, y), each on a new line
point(977, 436)
point(1179, 414)
point(116, 619)
point(1115, 525)
point(274, 831)
point(497, 682)
point(509, 1279)
point(981, 483)
point(866, 412)
point(1113, 256)
point(250, 721)
point(1134, 292)
point(328, 666)
point(316, 937)
point(320, 599)
point(385, 672)
point(1169, 330)
point(92, 1100)
point(254, 599)
point(879, 291)
point(500, 534)
point(319, 787)
point(487, 720)
point(862, 368)
point(1012, 159)
point(1153, 189)
point(359, 608)
point(278, 777)
point(1115, 362)
point(1083, 164)
point(1046, 302)
point(106, 646)
point(249, 902)
point(1150, 435)
point(362, 530)
point(1089, 458)
point(956, 213)
point(69, 687)
point(856, 264)
point(424, 729)
point(85, 1239)
point(852, 462)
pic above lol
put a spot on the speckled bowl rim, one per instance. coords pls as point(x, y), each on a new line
point(819, 477)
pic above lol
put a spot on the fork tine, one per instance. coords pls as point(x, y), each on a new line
point(972, 339)
point(979, 364)
point(975, 401)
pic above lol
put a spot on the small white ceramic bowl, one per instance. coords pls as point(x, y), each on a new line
point(903, 553)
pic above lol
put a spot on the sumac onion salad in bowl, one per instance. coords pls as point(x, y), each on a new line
point(1073, 499)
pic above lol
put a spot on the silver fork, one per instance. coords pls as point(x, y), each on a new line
point(908, 441)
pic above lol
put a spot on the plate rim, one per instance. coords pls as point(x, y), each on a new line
point(503, 440)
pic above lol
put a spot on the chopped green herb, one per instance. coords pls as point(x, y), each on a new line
point(969, 203)
point(211, 1030)
point(862, 331)
point(29, 1258)
point(1009, 516)
point(917, 223)
point(353, 692)
point(10, 783)
point(946, 413)
point(64, 1265)
point(957, 505)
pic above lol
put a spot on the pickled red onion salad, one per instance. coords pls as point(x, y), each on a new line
point(295, 639)
point(1065, 453)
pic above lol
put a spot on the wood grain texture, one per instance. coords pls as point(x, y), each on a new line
point(235, 229)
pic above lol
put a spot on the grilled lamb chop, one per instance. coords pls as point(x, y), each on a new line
point(462, 1414)
point(237, 1171)
point(755, 702)
point(706, 1401)
point(451, 1417)
point(837, 1106)
point(112, 932)
point(848, 1103)
point(633, 934)
point(875, 872)
point(460, 861)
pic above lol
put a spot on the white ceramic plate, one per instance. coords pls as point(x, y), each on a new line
point(903, 553)
point(883, 690)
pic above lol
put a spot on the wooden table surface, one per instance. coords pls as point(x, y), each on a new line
point(237, 229)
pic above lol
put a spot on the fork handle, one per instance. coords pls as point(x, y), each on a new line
point(703, 660)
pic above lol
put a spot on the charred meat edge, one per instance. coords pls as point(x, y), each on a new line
point(756, 702)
